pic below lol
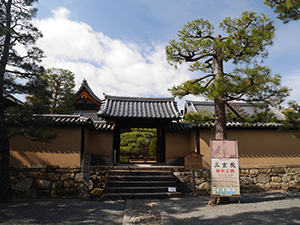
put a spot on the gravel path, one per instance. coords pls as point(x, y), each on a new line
point(258, 209)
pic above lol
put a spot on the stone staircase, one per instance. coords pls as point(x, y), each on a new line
point(140, 182)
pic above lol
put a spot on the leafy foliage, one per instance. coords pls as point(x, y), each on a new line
point(136, 140)
point(23, 121)
point(287, 10)
point(292, 114)
point(59, 93)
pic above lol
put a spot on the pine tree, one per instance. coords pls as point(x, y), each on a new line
point(17, 71)
point(60, 94)
point(246, 41)
point(61, 85)
point(287, 10)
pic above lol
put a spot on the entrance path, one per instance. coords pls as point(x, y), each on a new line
point(269, 208)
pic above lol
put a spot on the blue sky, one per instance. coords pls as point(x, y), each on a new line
point(118, 45)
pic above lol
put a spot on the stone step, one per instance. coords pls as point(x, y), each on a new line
point(135, 182)
point(139, 172)
point(157, 189)
point(140, 178)
point(170, 183)
point(157, 195)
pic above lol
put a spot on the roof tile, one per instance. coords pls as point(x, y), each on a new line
point(131, 107)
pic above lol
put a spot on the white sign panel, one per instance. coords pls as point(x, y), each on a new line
point(225, 178)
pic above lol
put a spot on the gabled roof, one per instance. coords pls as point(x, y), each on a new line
point(240, 108)
point(132, 107)
point(85, 86)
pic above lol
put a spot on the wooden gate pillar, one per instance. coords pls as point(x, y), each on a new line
point(161, 145)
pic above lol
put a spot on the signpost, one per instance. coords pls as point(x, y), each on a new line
point(225, 180)
point(193, 161)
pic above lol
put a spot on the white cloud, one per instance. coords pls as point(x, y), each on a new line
point(109, 65)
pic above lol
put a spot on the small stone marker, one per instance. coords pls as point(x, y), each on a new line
point(86, 162)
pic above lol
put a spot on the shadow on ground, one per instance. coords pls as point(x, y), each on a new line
point(267, 208)
point(61, 211)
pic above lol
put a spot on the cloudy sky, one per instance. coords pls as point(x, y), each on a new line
point(118, 46)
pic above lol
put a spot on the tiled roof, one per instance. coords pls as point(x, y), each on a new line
point(93, 115)
point(85, 85)
point(58, 119)
point(241, 108)
point(130, 107)
point(67, 119)
point(179, 127)
point(103, 126)
point(241, 125)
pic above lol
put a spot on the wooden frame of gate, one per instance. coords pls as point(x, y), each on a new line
point(158, 124)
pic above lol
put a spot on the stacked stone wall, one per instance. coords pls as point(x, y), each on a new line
point(67, 181)
point(97, 181)
point(252, 179)
point(45, 181)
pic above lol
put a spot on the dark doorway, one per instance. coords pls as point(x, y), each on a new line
point(138, 145)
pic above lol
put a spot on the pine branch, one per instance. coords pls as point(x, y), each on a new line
point(202, 78)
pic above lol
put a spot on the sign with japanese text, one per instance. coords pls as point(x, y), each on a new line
point(224, 168)
point(193, 161)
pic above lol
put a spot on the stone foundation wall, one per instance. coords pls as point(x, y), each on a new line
point(45, 181)
point(97, 181)
point(252, 179)
point(67, 181)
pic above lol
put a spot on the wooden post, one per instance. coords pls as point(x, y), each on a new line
point(194, 183)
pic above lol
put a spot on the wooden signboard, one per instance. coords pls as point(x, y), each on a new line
point(193, 161)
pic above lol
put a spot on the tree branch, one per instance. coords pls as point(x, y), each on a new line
point(233, 110)
point(209, 82)
point(18, 72)
point(191, 59)
point(202, 78)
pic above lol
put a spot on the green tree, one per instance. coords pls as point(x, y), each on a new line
point(287, 10)
point(17, 70)
point(61, 86)
point(246, 41)
point(24, 121)
point(132, 142)
point(292, 114)
point(153, 147)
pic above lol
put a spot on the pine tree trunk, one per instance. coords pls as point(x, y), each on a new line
point(5, 187)
point(220, 120)
point(220, 115)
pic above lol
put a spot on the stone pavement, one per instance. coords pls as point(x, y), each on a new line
point(145, 211)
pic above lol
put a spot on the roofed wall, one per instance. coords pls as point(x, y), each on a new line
point(258, 147)
point(63, 150)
